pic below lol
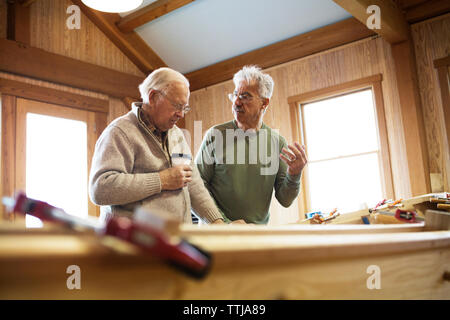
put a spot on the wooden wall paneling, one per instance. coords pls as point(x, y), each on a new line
point(444, 83)
point(8, 145)
point(117, 108)
point(431, 43)
point(49, 32)
point(412, 117)
point(401, 182)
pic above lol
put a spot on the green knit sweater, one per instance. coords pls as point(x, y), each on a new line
point(242, 183)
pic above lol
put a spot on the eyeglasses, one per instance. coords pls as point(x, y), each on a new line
point(178, 107)
point(245, 97)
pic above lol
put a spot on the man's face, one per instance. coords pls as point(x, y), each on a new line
point(247, 105)
point(164, 114)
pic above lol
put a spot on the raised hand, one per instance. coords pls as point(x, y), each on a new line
point(295, 158)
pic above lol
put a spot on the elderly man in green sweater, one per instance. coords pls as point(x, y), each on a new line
point(239, 160)
point(133, 164)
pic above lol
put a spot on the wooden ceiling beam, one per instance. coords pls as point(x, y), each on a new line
point(36, 63)
point(149, 13)
point(129, 43)
point(26, 3)
point(427, 10)
point(393, 26)
point(318, 40)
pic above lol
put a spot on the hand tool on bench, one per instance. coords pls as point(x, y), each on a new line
point(174, 250)
point(403, 215)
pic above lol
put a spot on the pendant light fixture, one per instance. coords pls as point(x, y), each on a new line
point(113, 5)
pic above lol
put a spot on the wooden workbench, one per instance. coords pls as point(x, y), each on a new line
point(250, 262)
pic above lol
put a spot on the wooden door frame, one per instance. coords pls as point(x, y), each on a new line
point(12, 90)
point(443, 73)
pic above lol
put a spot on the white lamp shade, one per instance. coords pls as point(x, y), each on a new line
point(113, 5)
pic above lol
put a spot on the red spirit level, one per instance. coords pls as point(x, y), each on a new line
point(180, 253)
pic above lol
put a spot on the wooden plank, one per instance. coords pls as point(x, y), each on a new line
point(444, 84)
point(298, 135)
point(26, 3)
point(437, 220)
point(393, 26)
point(131, 44)
point(18, 22)
point(412, 118)
point(298, 229)
point(248, 267)
point(8, 146)
point(149, 13)
point(43, 94)
point(341, 88)
point(328, 37)
point(385, 158)
point(443, 62)
point(36, 63)
point(427, 10)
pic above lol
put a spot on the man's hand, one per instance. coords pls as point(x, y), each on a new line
point(175, 177)
point(220, 221)
point(295, 158)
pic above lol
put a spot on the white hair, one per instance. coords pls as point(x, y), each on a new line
point(251, 74)
point(160, 79)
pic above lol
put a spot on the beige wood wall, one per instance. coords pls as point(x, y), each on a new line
point(49, 32)
point(431, 42)
point(357, 60)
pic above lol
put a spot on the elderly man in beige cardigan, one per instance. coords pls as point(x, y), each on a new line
point(132, 164)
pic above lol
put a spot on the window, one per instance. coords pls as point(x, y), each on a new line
point(56, 163)
point(53, 151)
point(341, 138)
point(345, 136)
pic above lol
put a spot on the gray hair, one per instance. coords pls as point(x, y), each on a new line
point(252, 74)
point(160, 79)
